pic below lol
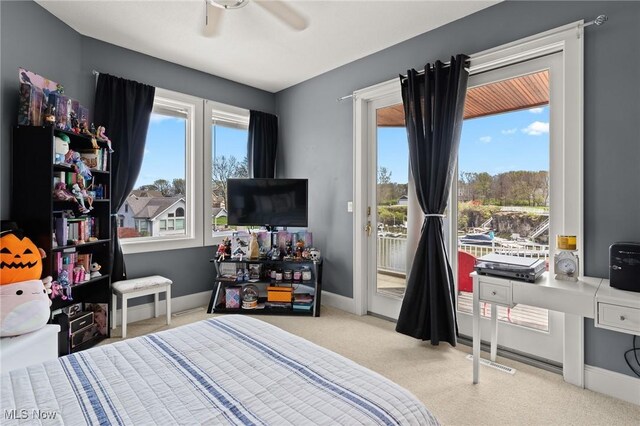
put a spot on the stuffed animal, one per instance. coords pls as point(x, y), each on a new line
point(24, 304)
point(95, 270)
point(62, 147)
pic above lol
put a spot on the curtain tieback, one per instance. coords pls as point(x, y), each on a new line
point(435, 215)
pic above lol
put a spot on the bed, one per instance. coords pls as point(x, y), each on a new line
point(227, 370)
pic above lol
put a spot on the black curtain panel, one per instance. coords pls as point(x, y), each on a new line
point(124, 108)
point(263, 144)
point(433, 105)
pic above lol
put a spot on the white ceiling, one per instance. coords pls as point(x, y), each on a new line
point(253, 47)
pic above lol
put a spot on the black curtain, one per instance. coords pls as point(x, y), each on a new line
point(123, 107)
point(433, 106)
point(263, 144)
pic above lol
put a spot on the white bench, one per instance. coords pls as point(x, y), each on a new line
point(137, 287)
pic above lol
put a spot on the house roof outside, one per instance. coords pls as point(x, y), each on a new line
point(150, 207)
point(218, 212)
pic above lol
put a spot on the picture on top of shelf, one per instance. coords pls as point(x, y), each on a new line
point(306, 237)
point(43, 83)
point(264, 239)
point(240, 244)
point(283, 239)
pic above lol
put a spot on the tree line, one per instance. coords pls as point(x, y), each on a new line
point(514, 188)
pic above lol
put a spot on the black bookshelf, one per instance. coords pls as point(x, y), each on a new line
point(34, 210)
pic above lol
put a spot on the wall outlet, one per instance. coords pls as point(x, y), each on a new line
point(350, 206)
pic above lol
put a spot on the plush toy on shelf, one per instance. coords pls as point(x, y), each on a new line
point(24, 304)
point(62, 147)
point(95, 270)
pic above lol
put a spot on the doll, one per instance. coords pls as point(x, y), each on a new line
point(80, 192)
point(61, 193)
point(80, 168)
point(103, 137)
point(221, 251)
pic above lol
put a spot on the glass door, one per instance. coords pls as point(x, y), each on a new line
point(503, 193)
point(389, 248)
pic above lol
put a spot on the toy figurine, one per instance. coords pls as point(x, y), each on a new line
point(50, 116)
point(80, 192)
point(79, 274)
point(299, 249)
point(92, 129)
point(75, 124)
point(103, 137)
point(95, 270)
point(227, 247)
point(221, 252)
point(275, 253)
point(254, 248)
point(65, 286)
point(61, 193)
point(74, 159)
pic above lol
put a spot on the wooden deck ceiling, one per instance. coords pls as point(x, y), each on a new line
point(527, 91)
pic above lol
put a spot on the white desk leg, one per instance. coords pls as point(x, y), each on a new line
point(114, 309)
point(156, 299)
point(168, 296)
point(494, 331)
point(476, 330)
point(124, 316)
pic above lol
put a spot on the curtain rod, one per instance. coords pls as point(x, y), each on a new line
point(600, 19)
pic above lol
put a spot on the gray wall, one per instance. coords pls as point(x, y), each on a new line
point(316, 132)
point(38, 41)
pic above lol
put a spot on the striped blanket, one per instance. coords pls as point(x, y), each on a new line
point(227, 370)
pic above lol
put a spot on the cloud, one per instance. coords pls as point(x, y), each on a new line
point(536, 110)
point(536, 128)
point(509, 131)
point(485, 139)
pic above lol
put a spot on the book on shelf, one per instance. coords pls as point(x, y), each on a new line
point(302, 298)
point(71, 231)
point(95, 158)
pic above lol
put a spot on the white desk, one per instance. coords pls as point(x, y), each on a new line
point(575, 299)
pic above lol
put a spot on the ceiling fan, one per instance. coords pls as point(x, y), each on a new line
point(215, 9)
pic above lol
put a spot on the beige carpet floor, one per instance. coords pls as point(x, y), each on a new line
point(440, 376)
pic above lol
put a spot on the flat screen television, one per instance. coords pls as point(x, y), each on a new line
point(267, 202)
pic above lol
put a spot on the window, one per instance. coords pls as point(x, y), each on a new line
point(170, 177)
point(228, 133)
point(179, 212)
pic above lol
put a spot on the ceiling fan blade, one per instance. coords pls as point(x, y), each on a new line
point(285, 13)
point(213, 20)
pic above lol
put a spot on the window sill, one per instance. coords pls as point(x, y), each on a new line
point(147, 245)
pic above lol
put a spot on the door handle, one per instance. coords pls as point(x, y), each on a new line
point(368, 228)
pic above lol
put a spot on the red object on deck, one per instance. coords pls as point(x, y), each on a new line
point(466, 263)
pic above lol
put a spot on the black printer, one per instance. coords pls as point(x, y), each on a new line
point(624, 266)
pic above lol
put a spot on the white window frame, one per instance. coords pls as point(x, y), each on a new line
point(229, 116)
point(169, 102)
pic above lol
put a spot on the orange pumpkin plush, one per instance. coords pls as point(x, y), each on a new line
point(20, 259)
point(24, 304)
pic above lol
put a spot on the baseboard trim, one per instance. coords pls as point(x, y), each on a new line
point(339, 302)
point(621, 386)
point(182, 303)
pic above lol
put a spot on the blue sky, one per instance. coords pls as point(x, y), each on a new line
point(511, 141)
point(164, 154)
point(495, 144)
